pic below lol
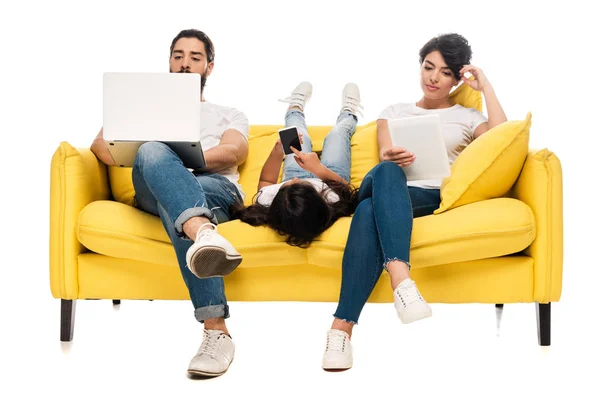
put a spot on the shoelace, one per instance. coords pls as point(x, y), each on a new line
point(409, 294)
point(353, 104)
point(210, 343)
point(296, 98)
point(206, 232)
point(336, 341)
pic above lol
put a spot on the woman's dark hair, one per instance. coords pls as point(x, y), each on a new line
point(454, 48)
point(299, 211)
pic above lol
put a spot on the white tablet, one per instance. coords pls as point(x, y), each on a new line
point(422, 136)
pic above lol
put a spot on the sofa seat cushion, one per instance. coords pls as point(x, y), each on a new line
point(118, 230)
point(475, 231)
point(484, 229)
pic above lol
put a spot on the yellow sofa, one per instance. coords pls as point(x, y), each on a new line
point(497, 251)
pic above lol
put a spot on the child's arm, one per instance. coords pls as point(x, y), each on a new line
point(311, 163)
point(270, 171)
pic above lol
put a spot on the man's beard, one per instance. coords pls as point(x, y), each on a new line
point(202, 78)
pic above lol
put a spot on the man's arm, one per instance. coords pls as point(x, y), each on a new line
point(231, 151)
point(100, 149)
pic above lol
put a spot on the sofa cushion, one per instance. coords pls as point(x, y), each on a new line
point(481, 230)
point(467, 97)
point(117, 230)
point(121, 184)
point(364, 152)
point(488, 167)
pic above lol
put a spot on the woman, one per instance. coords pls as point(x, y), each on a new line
point(313, 193)
point(380, 232)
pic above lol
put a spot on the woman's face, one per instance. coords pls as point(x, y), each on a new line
point(437, 80)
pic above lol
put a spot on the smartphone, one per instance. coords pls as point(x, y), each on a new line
point(289, 138)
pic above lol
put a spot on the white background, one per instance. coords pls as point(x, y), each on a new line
point(540, 58)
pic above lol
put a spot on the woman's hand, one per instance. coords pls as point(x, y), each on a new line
point(307, 161)
point(480, 82)
point(398, 155)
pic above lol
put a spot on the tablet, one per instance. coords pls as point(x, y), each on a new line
point(422, 136)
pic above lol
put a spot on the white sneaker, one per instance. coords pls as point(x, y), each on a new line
point(338, 351)
point(300, 95)
point(409, 303)
point(214, 356)
point(351, 99)
point(211, 255)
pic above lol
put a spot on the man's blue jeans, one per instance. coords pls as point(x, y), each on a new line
point(380, 232)
point(165, 187)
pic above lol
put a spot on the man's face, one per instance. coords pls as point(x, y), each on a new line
point(189, 56)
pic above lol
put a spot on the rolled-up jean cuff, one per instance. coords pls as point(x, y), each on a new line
point(208, 312)
point(385, 264)
point(193, 212)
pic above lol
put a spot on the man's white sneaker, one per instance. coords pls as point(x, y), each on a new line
point(300, 95)
point(214, 356)
point(351, 99)
point(211, 254)
point(338, 351)
point(409, 303)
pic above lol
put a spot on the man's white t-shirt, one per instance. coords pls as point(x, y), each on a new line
point(458, 125)
point(266, 195)
point(215, 121)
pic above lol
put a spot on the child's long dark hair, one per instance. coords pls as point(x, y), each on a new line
point(299, 211)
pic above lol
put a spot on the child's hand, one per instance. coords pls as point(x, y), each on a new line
point(308, 161)
point(279, 146)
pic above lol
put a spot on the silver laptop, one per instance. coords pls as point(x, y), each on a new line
point(145, 107)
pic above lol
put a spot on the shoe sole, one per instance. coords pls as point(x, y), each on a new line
point(416, 318)
point(204, 373)
point(213, 261)
point(337, 369)
point(197, 372)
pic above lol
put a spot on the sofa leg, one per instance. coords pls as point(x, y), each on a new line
point(116, 302)
point(499, 305)
point(543, 323)
point(67, 320)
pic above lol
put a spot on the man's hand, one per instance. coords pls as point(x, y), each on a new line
point(308, 161)
point(398, 155)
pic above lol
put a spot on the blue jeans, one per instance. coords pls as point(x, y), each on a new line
point(336, 148)
point(164, 187)
point(380, 232)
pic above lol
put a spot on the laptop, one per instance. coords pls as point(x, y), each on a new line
point(152, 107)
point(422, 136)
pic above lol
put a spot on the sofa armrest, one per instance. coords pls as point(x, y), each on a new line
point(540, 186)
point(77, 178)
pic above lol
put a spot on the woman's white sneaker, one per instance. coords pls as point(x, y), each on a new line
point(410, 305)
point(338, 351)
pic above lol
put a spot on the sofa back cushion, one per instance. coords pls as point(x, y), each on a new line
point(365, 151)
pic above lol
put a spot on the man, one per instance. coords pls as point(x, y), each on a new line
point(191, 204)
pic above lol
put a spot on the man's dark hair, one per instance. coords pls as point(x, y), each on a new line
point(454, 48)
point(201, 36)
